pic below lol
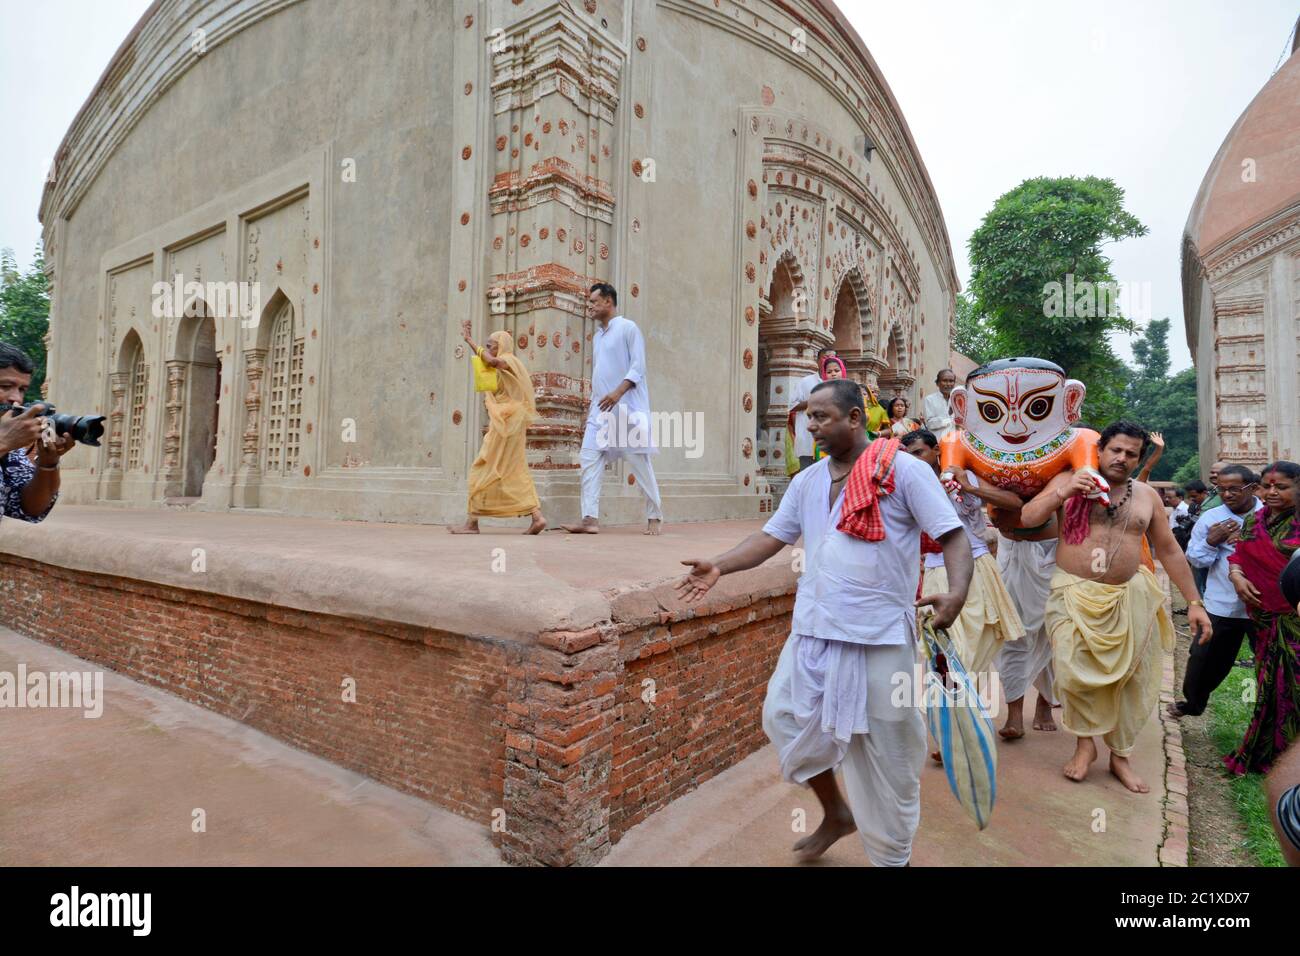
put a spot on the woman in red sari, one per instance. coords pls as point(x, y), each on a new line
point(1267, 540)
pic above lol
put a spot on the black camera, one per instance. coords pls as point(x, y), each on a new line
point(87, 429)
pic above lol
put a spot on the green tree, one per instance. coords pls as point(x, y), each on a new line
point(1188, 470)
point(1161, 402)
point(1039, 276)
point(25, 312)
point(971, 334)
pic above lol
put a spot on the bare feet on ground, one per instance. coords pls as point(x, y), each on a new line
point(1043, 716)
point(1085, 752)
point(820, 840)
point(469, 527)
point(1014, 728)
point(538, 525)
point(587, 527)
point(652, 526)
point(1123, 771)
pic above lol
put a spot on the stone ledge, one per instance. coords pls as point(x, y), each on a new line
point(499, 584)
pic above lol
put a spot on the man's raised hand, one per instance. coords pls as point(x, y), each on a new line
point(693, 587)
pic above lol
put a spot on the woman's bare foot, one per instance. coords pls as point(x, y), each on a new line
point(1085, 752)
point(1175, 710)
point(538, 525)
point(1043, 716)
point(820, 840)
point(588, 526)
point(469, 527)
point(1014, 728)
point(936, 757)
point(1123, 771)
point(652, 526)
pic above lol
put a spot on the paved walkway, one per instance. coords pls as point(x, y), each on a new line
point(121, 790)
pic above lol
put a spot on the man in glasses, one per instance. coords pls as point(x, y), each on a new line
point(1213, 539)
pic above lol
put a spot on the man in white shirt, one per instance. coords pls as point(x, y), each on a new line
point(1178, 505)
point(803, 441)
point(1213, 539)
point(935, 410)
point(853, 631)
point(618, 423)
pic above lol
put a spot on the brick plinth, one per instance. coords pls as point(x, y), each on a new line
point(560, 743)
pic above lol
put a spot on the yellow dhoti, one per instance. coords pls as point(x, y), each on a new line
point(1106, 642)
point(988, 618)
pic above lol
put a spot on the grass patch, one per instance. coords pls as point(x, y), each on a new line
point(1229, 716)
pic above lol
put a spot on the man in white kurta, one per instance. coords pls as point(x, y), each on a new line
point(935, 410)
point(854, 629)
point(618, 422)
point(803, 440)
point(832, 699)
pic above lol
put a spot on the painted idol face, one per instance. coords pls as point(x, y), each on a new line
point(1017, 409)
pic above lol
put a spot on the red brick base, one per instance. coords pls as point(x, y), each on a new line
point(559, 746)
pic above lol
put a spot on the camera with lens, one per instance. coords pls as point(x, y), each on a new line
point(87, 429)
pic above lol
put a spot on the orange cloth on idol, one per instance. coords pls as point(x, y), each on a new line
point(500, 485)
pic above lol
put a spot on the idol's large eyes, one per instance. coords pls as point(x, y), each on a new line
point(1040, 407)
point(991, 412)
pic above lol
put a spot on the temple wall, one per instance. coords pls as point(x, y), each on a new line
point(382, 178)
point(1248, 345)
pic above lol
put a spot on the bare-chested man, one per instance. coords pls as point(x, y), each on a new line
point(1106, 613)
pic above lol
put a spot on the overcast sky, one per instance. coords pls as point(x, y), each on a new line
point(995, 92)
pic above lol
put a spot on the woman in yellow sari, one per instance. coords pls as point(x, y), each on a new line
point(500, 485)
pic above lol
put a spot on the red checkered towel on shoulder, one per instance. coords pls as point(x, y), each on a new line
point(929, 545)
point(872, 477)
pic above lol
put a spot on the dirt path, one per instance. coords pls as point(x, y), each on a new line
point(1217, 834)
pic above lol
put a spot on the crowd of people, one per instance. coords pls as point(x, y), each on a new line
point(1057, 591)
point(1062, 596)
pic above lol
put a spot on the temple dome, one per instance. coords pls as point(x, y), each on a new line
point(1268, 132)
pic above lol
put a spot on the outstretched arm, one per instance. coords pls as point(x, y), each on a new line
point(750, 553)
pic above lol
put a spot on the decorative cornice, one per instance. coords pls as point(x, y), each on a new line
point(1232, 254)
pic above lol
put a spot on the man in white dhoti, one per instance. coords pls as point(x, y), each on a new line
point(618, 423)
point(853, 631)
point(803, 440)
point(934, 410)
point(1027, 566)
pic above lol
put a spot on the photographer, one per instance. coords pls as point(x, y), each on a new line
point(29, 484)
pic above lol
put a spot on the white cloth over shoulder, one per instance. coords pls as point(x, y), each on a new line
point(862, 592)
point(803, 441)
point(937, 414)
point(618, 353)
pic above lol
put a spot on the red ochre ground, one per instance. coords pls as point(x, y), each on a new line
point(122, 789)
